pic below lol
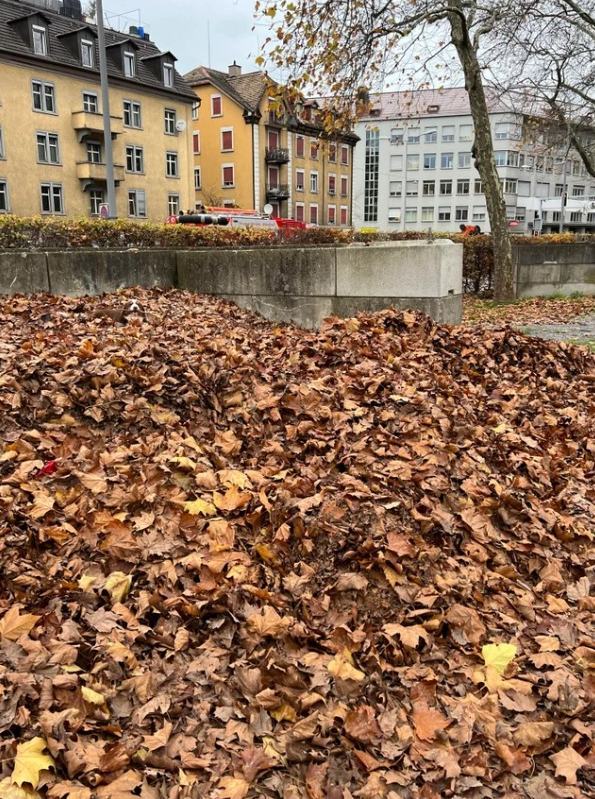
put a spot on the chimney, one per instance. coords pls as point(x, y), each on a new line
point(234, 70)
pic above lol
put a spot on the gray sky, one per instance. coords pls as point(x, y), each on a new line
point(181, 26)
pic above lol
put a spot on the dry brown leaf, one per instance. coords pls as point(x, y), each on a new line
point(533, 733)
point(14, 624)
point(428, 722)
point(232, 788)
point(268, 622)
point(567, 762)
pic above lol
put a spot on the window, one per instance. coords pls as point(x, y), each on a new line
point(96, 198)
point(4, 207)
point(372, 166)
point(443, 213)
point(173, 204)
point(462, 186)
point(430, 161)
point(461, 213)
point(226, 140)
point(87, 51)
point(299, 180)
point(44, 97)
point(344, 186)
point(558, 189)
point(314, 150)
point(448, 133)
point(47, 148)
point(168, 80)
point(429, 188)
point(314, 182)
point(134, 159)
point(314, 214)
point(411, 215)
point(464, 160)
point(129, 66)
point(395, 188)
point(197, 183)
point(411, 188)
point(332, 184)
point(396, 163)
point(195, 109)
point(512, 158)
point(273, 177)
point(40, 40)
point(413, 135)
point(52, 201)
point(446, 187)
point(137, 205)
point(465, 132)
point(132, 115)
point(576, 216)
point(412, 162)
point(521, 214)
point(299, 146)
point(90, 103)
point(344, 217)
point(500, 157)
point(344, 154)
point(555, 216)
point(578, 191)
point(196, 142)
point(446, 160)
point(427, 213)
point(394, 214)
point(299, 212)
point(542, 190)
point(396, 136)
point(216, 105)
point(524, 188)
point(171, 165)
point(478, 186)
point(431, 136)
point(332, 154)
point(228, 178)
point(169, 120)
point(479, 213)
point(1, 145)
point(331, 215)
point(94, 152)
point(507, 130)
point(509, 186)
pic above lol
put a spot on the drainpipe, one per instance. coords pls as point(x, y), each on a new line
point(107, 128)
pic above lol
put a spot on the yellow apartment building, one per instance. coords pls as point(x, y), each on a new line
point(52, 140)
point(251, 150)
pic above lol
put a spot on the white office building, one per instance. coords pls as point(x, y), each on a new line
point(413, 168)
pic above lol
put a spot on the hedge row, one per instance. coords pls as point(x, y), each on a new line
point(49, 233)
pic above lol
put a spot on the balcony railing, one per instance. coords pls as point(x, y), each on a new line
point(278, 192)
point(277, 155)
point(93, 172)
point(88, 123)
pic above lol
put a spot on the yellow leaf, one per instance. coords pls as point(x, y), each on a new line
point(118, 585)
point(13, 625)
point(86, 581)
point(184, 462)
point(92, 697)
point(341, 667)
point(199, 506)
point(8, 790)
point(30, 761)
point(498, 656)
point(266, 553)
point(233, 788)
point(284, 713)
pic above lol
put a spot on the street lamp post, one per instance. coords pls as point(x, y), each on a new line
point(107, 128)
point(563, 196)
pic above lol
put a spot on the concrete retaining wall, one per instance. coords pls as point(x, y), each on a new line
point(545, 269)
point(299, 284)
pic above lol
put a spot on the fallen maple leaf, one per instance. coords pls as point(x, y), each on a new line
point(532, 733)
point(498, 656)
point(232, 788)
point(197, 507)
point(8, 790)
point(30, 761)
point(361, 724)
point(118, 585)
point(268, 621)
point(13, 624)
point(342, 668)
point(95, 481)
point(233, 499)
point(409, 636)
point(92, 697)
point(567, 762)
point(428, 722)
point(42, 504)
point(158, 739)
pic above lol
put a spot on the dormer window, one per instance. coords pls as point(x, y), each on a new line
point(87, 49)
point(129, 66)
point(40, 40)
point(168, 75)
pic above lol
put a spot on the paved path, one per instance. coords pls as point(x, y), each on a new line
point(579, 330)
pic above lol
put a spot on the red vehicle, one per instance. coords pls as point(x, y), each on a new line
point(236, 217)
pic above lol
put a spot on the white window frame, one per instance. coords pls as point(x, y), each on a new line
point(464, 160)
point(443, 157)
point(52, 194)
point(134, 110)
point(93, 202)
point(345, 149)
point(170, 205)
point(412, 212)
point(302, 174)
point(412, 162)
point(303, 207)
point(169, 161)
point(128, 64)
point(168, 75)
point(197, 183)
point(227, 149)
point(43, 39)
point(195, 109)
point(196, 133)
point(330, 208)
point(461, 213)
point(89, 47)
point(169, 123)
point(425, 217)
point(346, 179)
point(220, 98)
point(398, 192)
point(332, 192)
point(94, 144)
point(314, 182)
point(444, 210)
point(303, 141)
point(136, 149)
point(394, 215)
point(139, 194)
point(86, 94)
point(233, 183)
point(448, 137)
point(43, 95)
point(48, 147)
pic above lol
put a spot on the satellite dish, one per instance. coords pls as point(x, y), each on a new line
point(180, 125)
point(268, 209)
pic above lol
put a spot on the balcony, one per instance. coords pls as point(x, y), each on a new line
point(90, 173)
point(277, 193)
point(87, 123)
point(278, 155)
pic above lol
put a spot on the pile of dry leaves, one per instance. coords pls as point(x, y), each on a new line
point(246, 560)
point(533, 311)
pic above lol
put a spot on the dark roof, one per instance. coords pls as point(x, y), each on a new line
point(13, 46)
point(247, 90)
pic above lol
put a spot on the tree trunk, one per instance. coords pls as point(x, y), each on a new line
point(483, 153)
